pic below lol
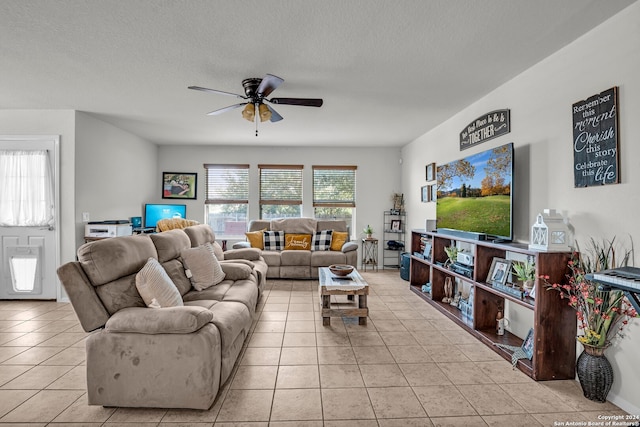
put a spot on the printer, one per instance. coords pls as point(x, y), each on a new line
point(113, 228)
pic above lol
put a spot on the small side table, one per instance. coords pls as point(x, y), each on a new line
point(370, 253)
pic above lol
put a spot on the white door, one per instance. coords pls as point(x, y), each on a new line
point(28, 238)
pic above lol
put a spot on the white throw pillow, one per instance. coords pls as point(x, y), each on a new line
point(155, 286)
point(202, 267)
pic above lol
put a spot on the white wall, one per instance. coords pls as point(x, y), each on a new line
point(88, 181)
point(52, 122)
point(540, 100)
point(116, 172)
point(377, 177)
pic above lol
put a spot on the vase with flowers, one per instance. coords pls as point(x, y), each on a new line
point(602, 314)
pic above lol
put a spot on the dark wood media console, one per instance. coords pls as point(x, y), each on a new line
point(554, 322)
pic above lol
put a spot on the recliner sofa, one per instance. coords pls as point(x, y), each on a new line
point(172, 357)
point(300, 262)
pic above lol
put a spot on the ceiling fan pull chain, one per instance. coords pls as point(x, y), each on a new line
point(256, 117)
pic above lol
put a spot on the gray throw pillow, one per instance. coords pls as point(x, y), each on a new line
point(155, 286)
point(202, 267)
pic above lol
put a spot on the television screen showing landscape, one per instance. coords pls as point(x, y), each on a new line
point(474, 193)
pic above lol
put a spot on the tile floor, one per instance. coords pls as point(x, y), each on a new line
point(409, 366)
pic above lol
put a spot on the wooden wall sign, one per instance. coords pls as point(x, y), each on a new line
point(595, 140)
point(484, 128)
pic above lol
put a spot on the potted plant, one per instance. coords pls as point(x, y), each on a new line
point(602, 314)
point(526, 273)
point(368, 231)
point(452, 254)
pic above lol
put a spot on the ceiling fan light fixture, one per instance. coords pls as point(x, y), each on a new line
point(265, 113)
point(249, 112)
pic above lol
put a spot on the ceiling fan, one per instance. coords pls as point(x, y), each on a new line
point(256, 92)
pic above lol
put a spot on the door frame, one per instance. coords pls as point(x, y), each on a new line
point(14, 142)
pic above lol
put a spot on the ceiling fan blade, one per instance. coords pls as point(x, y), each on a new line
point(225, 109)
point(268, 84)
point(275, 117)
point(306, 102)
point(220, 92)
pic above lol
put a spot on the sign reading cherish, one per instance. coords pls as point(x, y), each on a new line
point(595, 140)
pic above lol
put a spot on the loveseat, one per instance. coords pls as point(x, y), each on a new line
point(294, 248)
point(157, 342)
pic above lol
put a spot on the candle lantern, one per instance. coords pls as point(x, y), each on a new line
point(550, 233)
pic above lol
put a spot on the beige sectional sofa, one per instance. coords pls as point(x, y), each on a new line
point(302, 260)
point(169, 357)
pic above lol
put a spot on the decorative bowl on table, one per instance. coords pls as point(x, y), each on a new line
point(341, 270)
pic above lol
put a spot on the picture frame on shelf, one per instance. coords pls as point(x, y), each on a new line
point(499, 271)
point(426, 254)
point(527, 344)
point(398, 203)
point(179, 185)
point(396, 225)
point(430, 170)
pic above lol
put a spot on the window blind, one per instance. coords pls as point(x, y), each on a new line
point(227, 183)
point(334, 186)
point(280, 184)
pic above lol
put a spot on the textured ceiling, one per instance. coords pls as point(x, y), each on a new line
point(388, 71)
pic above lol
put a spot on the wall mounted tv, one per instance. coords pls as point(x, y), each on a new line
point(475, 195)
point(155, 212)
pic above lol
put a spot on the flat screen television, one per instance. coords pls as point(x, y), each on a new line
point(155, 212)
point(475, 195)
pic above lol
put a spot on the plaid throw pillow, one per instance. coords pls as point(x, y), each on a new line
point(321, 240)
point(273, 240)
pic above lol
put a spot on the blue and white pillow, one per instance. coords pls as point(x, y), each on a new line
point(321, 240)
point(273, 240)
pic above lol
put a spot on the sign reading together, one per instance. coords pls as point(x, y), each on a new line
point(595, 140)
point(484, 128)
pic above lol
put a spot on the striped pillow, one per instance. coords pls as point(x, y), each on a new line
point(321, 240)
point(155, 286)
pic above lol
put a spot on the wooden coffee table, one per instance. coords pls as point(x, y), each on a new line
point(351, 285)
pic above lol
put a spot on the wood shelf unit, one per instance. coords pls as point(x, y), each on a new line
point(554, 322)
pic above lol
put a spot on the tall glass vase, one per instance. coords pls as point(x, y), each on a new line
point(595, 373)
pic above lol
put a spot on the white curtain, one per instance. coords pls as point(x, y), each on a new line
point(26, 189)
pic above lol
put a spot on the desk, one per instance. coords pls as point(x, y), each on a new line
point(370, 253)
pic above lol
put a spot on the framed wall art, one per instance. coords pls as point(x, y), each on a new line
point(428, 193)
point(179, 185)
point(431, 172)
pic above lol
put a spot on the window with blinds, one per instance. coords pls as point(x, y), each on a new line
point(334, 186)
point(227, 199)
point(334, 192)
point(280, 191)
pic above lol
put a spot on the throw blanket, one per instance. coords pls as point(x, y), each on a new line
point(173, 223)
